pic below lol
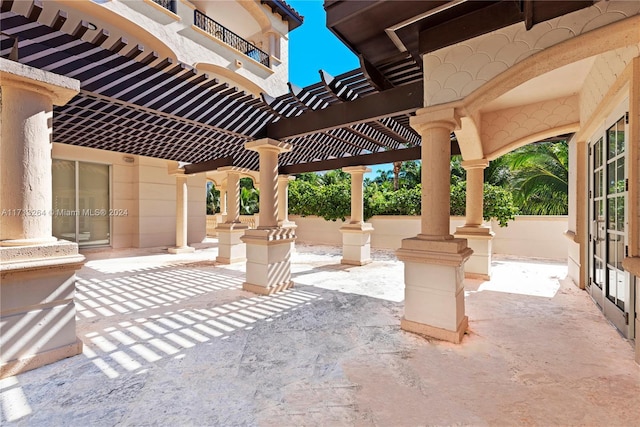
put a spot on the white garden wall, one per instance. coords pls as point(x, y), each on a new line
point(530, 236)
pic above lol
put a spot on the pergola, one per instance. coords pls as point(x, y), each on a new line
point(136, 102)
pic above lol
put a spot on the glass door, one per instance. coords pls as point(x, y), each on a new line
point(609, 285)
point(81, 202)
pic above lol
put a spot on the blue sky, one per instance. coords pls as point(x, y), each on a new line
point(313, 47)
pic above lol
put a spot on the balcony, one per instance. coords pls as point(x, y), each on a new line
point(228, 37)
point(167, 4)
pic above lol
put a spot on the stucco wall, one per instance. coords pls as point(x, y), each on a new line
point(531, 236)
point(174, 35)
point(148, 194)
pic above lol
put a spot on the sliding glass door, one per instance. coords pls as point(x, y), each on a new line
point(81, 202)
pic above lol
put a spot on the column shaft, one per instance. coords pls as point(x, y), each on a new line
point(233, 193)
point(25, 190)
point(474, 202)
point(182, 201)
point(357, 204)
point(283, 199)
point(436, 158)
point(268, 216)
point(223, 200)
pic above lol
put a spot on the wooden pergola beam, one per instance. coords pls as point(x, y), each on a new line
point(401, 100)
point(381, 158)
point(209, 165)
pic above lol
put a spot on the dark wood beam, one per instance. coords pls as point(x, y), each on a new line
point(461, 28)
point(413, 153)
point(6, 5)
point(375, 77)
point(59, 20)
point(401, 100)
point(544, 10)
point(209, 165)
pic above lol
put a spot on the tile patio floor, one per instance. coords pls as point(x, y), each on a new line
point(172, 340)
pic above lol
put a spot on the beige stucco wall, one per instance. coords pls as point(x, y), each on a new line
point(148, 193)
point(174, 35)
point(530, 236)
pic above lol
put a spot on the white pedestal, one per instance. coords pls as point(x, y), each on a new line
point(37, 308)
point(231, 248)
point(434, 287)
point(356, 243)
point(268, 260)
point(479, 239)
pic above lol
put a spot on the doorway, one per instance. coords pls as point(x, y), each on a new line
point(609, 285)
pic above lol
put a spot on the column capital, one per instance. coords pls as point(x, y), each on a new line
point(174, 169)
point(268, 144)
point(286, 178)
point(232, 169)
point(356, 169)
point(427, 118)
point(60, 89)
point(475, 164)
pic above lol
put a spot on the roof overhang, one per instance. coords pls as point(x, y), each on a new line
point(381, 30)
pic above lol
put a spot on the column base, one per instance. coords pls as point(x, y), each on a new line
point(38, 310)
point(261, 290)
point(28, 242)
point(356, 243)
point(287, 224)
point(268, 260)
point(434, 287)
point(479, 239)
point(28, 363)
point(181, 250)
point(231, 248)
point(436, 333)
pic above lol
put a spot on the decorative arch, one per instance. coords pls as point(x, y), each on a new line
point(258, 13)
point(592, 43)
point(228, 76)
point(510, 128)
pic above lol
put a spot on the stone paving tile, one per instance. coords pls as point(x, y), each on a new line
point(196, 350)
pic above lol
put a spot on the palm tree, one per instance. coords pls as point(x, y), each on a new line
point(213, 199)
point(541, 178)
point(249, 197)
point(397, 167)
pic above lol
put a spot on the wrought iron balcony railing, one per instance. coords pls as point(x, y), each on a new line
point(227, 36)
point(167, 4)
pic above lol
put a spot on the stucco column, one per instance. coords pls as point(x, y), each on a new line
point(479, 236)
point(356, 235)
point(283, 201)
point(436, 160)
point(233, 195)
point(268, 151)
point(475, 185)
point(223, 200)
point(434, 260)
point(231, 248)
point(182, 210)
point(269, 246)
point(26, 190)
point(38, 272)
